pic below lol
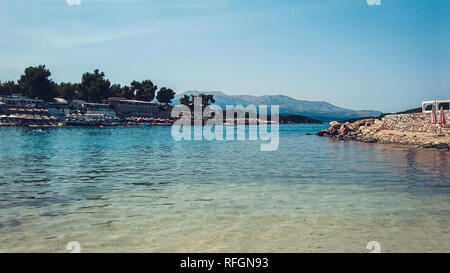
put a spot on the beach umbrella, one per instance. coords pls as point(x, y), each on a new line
point(433, 115)
point(442, 120)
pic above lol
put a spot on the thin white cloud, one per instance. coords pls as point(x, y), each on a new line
point(78, 2)
point(165, 4)
point(63, 39)
point(73, 2)
point(374, 2)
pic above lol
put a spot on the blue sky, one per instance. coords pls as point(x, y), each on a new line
point(387, 57)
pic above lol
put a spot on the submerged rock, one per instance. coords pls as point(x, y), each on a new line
point(323, 133)
point(14, 223)
point(49, 213)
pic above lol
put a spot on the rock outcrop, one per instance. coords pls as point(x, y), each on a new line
point(407, 129)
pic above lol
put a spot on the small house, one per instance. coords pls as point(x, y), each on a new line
point(427, 106)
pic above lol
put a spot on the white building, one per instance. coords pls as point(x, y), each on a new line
point(93, 108)
point(20, 101)
point(58, 107)
point(427, 106)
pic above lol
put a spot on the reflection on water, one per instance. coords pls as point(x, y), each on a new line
point(421, 166)
point(135, 189)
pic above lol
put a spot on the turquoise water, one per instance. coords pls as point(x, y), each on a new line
point(134, 189)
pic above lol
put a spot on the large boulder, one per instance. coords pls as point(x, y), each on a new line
point(335, 124)
point(345, 129)
point(363, 122)
point(334, 128)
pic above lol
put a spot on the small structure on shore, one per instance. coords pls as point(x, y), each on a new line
point(136, 108)
point(16, 110)
point(18, 100)
point(427, 106)
point(57, 107)
point(93, 108)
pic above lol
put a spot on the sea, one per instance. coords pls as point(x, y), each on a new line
point(136, 189)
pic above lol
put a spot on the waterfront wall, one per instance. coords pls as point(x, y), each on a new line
point(417, 122)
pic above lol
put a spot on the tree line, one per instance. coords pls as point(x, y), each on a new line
point(36, 82)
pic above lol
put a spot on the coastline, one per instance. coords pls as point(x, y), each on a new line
point(403, 129)
point(85, 120)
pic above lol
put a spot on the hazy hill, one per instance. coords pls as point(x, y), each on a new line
point(288, 106)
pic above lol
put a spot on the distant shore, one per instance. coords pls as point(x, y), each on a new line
point(84, 123)
point(101, 120)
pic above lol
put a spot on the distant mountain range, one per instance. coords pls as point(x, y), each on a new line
point(288, 106)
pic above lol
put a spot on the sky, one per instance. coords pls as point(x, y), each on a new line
point(359, 54)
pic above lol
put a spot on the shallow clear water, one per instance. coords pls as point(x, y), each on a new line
point(135, 189)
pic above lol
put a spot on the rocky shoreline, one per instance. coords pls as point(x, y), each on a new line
point(405, 129)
